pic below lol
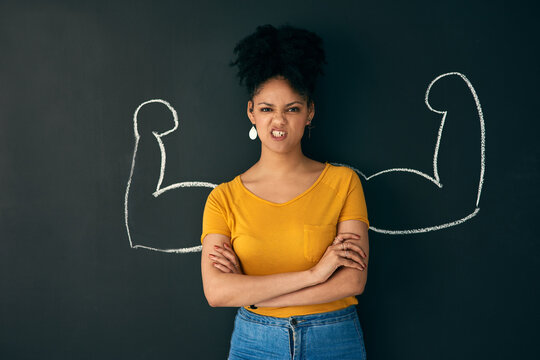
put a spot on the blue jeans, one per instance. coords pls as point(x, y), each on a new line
point(329, 335)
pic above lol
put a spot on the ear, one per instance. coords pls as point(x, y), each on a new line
point(250, 111)
point(311, 111)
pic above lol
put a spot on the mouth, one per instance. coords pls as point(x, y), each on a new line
point(278, 134)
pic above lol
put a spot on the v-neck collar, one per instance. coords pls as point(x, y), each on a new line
point(239, 180)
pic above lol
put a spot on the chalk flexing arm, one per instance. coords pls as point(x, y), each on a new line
point(434, 177)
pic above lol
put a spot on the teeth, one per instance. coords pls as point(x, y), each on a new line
point(277, 133)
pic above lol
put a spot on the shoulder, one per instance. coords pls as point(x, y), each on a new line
point(224, 191)
point(342, 178)
point(221, 189)
point(343, 172)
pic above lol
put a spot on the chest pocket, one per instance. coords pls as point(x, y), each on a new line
point(316, 239)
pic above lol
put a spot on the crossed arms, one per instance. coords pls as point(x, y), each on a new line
point(341, 272)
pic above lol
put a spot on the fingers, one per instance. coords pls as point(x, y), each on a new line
point(351, 255)
point(344, 238)
point(352, 252)
point(344, 245)
point(356, 247)
point(228, 253)
point(225, 260)
point(221, 267)
point(222, 263)
point(352, 264)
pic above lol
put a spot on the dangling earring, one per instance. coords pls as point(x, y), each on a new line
point(309, 130)
point(253, 133)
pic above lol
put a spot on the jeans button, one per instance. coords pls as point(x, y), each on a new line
point(293, 322)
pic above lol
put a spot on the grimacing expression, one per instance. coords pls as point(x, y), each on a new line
point(280, 114)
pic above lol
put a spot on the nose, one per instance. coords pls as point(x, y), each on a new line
point(280, 118)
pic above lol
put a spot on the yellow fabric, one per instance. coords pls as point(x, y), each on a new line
point(271, 238)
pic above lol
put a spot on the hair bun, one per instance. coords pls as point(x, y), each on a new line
point(296, 54)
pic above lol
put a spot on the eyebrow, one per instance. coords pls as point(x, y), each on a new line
point(289, 104)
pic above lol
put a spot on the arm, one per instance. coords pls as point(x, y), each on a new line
point(338, 286)
point(234, 289)
point(344, 282)
point(229, 289)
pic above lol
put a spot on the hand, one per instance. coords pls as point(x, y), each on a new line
point(344, 238)
point(225, 259)
point(342, 253)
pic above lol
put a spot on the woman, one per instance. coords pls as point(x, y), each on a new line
point(286, 241)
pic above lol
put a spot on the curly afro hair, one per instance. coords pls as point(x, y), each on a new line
point(296, 54)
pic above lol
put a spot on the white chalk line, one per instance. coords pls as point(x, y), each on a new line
point(427, 229)
point(158, 191)
point(433, 178)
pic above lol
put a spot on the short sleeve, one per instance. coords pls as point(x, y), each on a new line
point(214, 220)
point(354, 207)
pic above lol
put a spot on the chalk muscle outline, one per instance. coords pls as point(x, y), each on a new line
point(435, 178)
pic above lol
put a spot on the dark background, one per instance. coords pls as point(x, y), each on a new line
point(72, 74)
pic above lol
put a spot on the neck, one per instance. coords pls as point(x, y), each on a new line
point(281, 165)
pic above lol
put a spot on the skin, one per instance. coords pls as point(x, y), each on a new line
point(282, 173)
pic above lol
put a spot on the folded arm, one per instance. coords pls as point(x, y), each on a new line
point(343, 283)
point(230, 289)
point(272, 290)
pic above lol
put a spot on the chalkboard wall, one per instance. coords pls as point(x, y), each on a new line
point(99, 232)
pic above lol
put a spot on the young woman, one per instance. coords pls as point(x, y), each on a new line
point(286, 241)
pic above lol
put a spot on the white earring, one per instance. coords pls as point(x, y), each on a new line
point(253, 133)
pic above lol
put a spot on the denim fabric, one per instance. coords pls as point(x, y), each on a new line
point(329, 335)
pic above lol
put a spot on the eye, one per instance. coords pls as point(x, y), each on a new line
point(266, 109)
point(294, 109)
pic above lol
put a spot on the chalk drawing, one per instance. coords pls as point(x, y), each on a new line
point(159, 190)
point(434, 178)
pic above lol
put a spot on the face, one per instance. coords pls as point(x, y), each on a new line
point(280, 115)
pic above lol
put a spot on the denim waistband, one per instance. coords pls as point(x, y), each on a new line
point(300, 320)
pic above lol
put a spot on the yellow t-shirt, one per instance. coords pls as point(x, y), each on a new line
point(271, 238)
